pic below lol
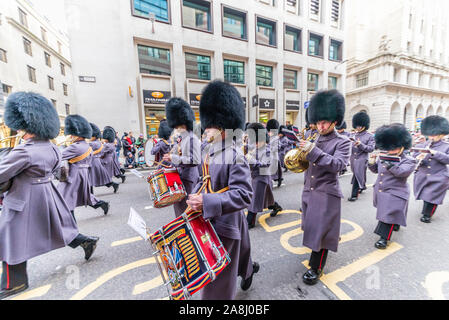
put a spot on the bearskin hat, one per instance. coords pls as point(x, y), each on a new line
point(96, 133)
point(326, 105)
point(222, 106)
point(361, 119)
point(257, 131)
point(78, 126)
point(434, 126)
point(164, 130)
point(109, 134)
point(342, 127)
point(179, 113)
point(272, 124)
point(32, 113)
point(390, 137)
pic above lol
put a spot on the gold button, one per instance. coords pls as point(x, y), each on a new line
point(380, 182)
point(380, 190)
point(428, 174)
point(311, 189)
point(313, 177)
point(314, 165)
point(381, 174)
point(428, 167)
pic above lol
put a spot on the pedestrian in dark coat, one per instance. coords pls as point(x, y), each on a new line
point(391, 190)
point(221, 111)
point(163, 145)
point(185, 154)
point(321, 198)
point(98, 174)
point(77, 189)
point(431, 179)
point(35, 218)
point(363, 144)
point(108, 156)
point(262, 165)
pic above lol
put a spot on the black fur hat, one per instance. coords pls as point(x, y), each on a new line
point(32, 113)
point(434, 126)
point(390, 137)
point(109, 134)
point(96, 133)
point(327, 105)
point(164, 130)
point(272, 124)
point(222, 106)
point(361, 119)
point(281, 129)
point(77, 125)
point(307, 118)
point(178, 113)
point(256, 130)
point(343, 126)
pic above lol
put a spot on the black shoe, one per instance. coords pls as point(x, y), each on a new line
point(89, 246)
point(105, 207)
point(115, 186)
point(5, 293)
point(246, 284)
point(122, 170)
point(425, 219)
point(285, 170)
point(280, 182)
point(311, 277)
point(396, 227)
point(352, 199)
point(381, 244)
point(123, 178)
point(277, 208)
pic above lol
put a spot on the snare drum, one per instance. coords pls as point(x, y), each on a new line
point(189, 254)
point(166, 187)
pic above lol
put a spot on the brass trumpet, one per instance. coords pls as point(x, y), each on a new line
point(295, 160)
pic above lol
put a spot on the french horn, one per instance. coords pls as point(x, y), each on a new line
point(296, 159)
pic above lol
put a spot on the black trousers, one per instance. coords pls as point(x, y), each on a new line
point(428, 209)
point(385, 230)
point(251, 217)
point(355, 188)
point(14, 276)
point(318, 259)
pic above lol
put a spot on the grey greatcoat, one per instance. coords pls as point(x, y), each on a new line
point(35, 218)
point(160, 148)
point(98, 174)
point(391, 191)
point(359, 156)
point(321, 198)
point(228, 168)
point(186, 156)
point(76, 191)
point(431, 181)
point(109, 160)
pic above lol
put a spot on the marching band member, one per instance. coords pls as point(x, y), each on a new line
point(185, 154)
point(391, 190)
point(321, 198)
point(35, 218)
point(275, 146)
point(225, 168)
point(261, 163)
point(109, 155)
point(285, 145)
point(77, 189)
point(363, 144)
point(341, 131)
point(163, 145)
point(98, 174)
point(431, 179)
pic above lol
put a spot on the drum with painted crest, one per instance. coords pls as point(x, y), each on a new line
point(165, 187)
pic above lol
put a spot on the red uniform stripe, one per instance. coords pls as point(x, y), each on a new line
point(321, 261)
point(7, 276)
point(391, 230)
point(433, 210)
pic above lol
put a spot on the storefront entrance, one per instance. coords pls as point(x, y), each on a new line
point(153, 117)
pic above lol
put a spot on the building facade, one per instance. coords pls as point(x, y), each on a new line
point(130, 56)
point(398, 55)
point(34, 56)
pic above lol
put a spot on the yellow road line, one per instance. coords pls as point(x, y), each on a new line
point(125, 241)
point(108, 276)
point(35, 293)
point(147, 286)
point(263, 223)
point(434, 284)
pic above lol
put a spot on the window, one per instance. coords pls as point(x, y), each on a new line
point(65, 89)
point(409, 77)
point(332, 83)
point(54, 103)
point(264, 76)
point(196, 14)
point(292, 39)
point(234, 23)
point(315, 9)
point(3, 56)
point(51, 83)
point(335, 52)
point(159, 8)
point(420, 80)
point(290, 79)
point(293, 6)
point(335, 10)
point(361, 80)
point(31, 74)
point(198, 67)
point(67, 109)
point(23, 18)
point(47, 59)
point(396, 75)
point(312, 82)
point(315, 45)
point(27, 46)
point(234, 71)
point(44, 35)
point(6, 89)
point(154, 60)
point(265, 32)
point(62, 69)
